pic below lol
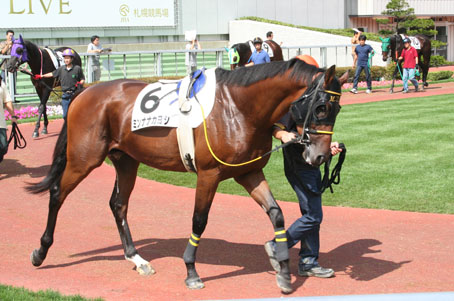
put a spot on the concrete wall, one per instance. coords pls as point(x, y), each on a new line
point(242, 31)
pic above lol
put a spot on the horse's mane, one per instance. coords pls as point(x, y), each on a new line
point(246, 76)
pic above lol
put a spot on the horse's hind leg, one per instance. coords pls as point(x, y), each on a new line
point(126, 168)
point(73, 174)
point(206, 189)
point(255, 183)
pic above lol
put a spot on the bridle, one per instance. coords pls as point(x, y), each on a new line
point(304, 110)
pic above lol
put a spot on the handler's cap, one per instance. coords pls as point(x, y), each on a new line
point(308, 59)
point(257, 40)
point(68, 52)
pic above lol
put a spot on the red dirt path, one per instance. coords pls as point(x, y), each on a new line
point(372, 251)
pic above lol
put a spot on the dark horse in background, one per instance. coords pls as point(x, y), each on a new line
point(239, 54)
point(248, 101)
point(40, 62)
point(393, 46)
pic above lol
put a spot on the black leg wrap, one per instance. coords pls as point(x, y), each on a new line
point(191, 248)
point(281, 245)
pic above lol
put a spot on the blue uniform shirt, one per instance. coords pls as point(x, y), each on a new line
point(260, 57)
point(363, 54)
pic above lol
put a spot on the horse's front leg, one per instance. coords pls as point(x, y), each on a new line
point(38, 122)
point(45, 98)
point(206, 189)
point(391, 90)
point(126, 169)
point(257, 186)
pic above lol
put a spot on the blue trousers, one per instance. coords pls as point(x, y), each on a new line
point(409, 74)
point(358, 72)
point(65, 100)
point(306, 182)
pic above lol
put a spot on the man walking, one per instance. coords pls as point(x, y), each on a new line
point(362, 52)
point(410, 57)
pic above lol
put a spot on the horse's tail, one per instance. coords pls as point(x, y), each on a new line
point(58, 165)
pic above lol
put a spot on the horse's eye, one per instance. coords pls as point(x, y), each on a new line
point(236, 59)
point(321, 111)
point(19, 50)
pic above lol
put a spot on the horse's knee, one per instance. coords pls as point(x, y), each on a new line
point(41, 108)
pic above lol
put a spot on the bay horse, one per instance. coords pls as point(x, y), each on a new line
point(393, 46)
point(41, 63)
point(240, 53)
point(248, 101)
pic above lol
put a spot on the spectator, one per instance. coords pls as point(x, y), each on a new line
point(191, 57)
point(5, 100)
point(306, 182)
point(94, 67)
point(70, 76)
point(362, 51)
point(410, 57)
point(270, 36)
point(259, 56)
point(5, 49)
point(355, 41)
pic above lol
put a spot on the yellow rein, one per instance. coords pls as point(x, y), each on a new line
point(238, 164)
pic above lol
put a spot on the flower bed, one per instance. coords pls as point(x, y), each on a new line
point(30, 112)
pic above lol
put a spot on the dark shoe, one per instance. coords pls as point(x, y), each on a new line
point(316, 271)
point(270, 248)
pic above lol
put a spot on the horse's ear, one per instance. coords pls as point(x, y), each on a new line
point(21, 39)
point(226, 49)
point(329, 75)
point(382, 39)
point(344, 78)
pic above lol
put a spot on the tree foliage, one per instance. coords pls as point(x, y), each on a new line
point(405, 19)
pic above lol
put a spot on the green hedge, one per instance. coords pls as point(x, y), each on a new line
point(440, 75)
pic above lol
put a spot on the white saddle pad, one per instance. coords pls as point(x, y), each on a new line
point(414, 42)
point(268, 49)
point(57, 59)
point(157, 104)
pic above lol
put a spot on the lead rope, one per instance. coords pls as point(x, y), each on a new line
point(335, 174)
point(16, 135)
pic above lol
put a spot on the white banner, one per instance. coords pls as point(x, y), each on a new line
point(86, 13)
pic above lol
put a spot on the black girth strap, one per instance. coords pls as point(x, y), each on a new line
point(335, 174)
point(19, 140)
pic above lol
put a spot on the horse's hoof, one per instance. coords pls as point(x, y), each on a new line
point(426, 84)
point(35, 259)
point(194, 284)
point(35, 134)
point(391, 91)
point(44, 132)
point(146, 270)
point(283, 282)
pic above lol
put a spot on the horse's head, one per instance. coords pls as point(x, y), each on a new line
point(315, 114)
point(234, 57)
point(19, 54)
point(385, 47)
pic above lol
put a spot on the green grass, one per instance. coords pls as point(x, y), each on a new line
point(9, 293)
point(399, 157)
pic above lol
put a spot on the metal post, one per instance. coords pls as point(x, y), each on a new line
point(11, 84)
point(140, 66)
point(219, 58)
point(124, 66)
point(108, 65)
point(159, 65)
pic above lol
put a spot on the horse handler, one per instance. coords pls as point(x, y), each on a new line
point(5, 100)
point(410, 57)
point(70, 76)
